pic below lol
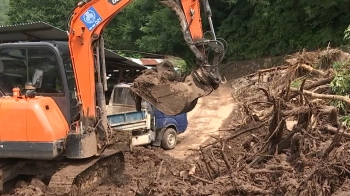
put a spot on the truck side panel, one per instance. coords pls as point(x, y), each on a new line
point(127, 117)
point(179, 121)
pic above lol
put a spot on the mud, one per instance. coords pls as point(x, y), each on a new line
point(163, 88)
point(164, 73)
point(204, 121)
point(160, 86)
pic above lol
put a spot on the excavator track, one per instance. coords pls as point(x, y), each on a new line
point(83, 175)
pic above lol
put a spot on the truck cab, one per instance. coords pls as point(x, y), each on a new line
point(161, 129)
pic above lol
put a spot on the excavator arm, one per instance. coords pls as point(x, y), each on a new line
point(162, 88)
point(85, 27)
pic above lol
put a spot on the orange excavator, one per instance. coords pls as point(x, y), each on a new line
point(54, 123)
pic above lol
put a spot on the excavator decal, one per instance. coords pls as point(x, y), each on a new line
point(114, 2)
point(91, 18)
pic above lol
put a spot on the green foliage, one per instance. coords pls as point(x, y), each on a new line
point(163, 21)
point(3, 9)
point(296, 83)
point(50, 11)
point(180, 63)
point(252, 28)
point(124, 29)
point(273, 27)
point(347, 34)
point(341, 82)
point(340, 85)
point(132, 55)
point(149, 26)
point(345, 120)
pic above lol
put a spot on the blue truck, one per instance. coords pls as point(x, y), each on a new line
point(148, 126)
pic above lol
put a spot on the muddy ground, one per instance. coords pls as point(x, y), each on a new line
point(274, 132)
point(144, 163)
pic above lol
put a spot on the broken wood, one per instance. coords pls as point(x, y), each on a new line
point(335, 142)
point(159, 170)
point(311, 153)
point(332, 113)
point(323, 96)
point(224, 157)
point(312, 70)
point(201, 179)
point(236, 135)
point(313, 85)
point(246, 188)
point(334, 130)
point(210, 175)
point(277, 68)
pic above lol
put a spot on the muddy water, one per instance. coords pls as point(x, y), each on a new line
point(204, 120)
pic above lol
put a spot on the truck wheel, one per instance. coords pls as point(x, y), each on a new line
point(169, 139)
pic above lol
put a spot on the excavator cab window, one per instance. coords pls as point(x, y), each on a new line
point(68, 67)
point(18, 65)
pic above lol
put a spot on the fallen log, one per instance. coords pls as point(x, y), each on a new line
point(237, 134)
point(334, 130)
point(312, 85)
point(267, 70)
point(323, 96)
point(246, 188)
point(332, 113)
point(313, 70)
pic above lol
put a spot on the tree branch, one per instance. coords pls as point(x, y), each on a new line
point(323, 96)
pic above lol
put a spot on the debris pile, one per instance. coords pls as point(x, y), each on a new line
point(290, 139)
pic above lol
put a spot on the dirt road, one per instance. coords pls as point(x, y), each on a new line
point(204, 120)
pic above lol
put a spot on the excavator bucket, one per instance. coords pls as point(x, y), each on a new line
point(163, 88)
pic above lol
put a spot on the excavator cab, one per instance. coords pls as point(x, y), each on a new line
point(42, 114)
point(18, 61)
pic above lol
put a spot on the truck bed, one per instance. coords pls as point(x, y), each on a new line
point(128, 120)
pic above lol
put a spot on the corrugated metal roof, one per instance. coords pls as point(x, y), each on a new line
point(33, 31)
point(149, 62)
point(42, 31)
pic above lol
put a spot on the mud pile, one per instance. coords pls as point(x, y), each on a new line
point(148, 171)
point(163, 73)
point(162, 85)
